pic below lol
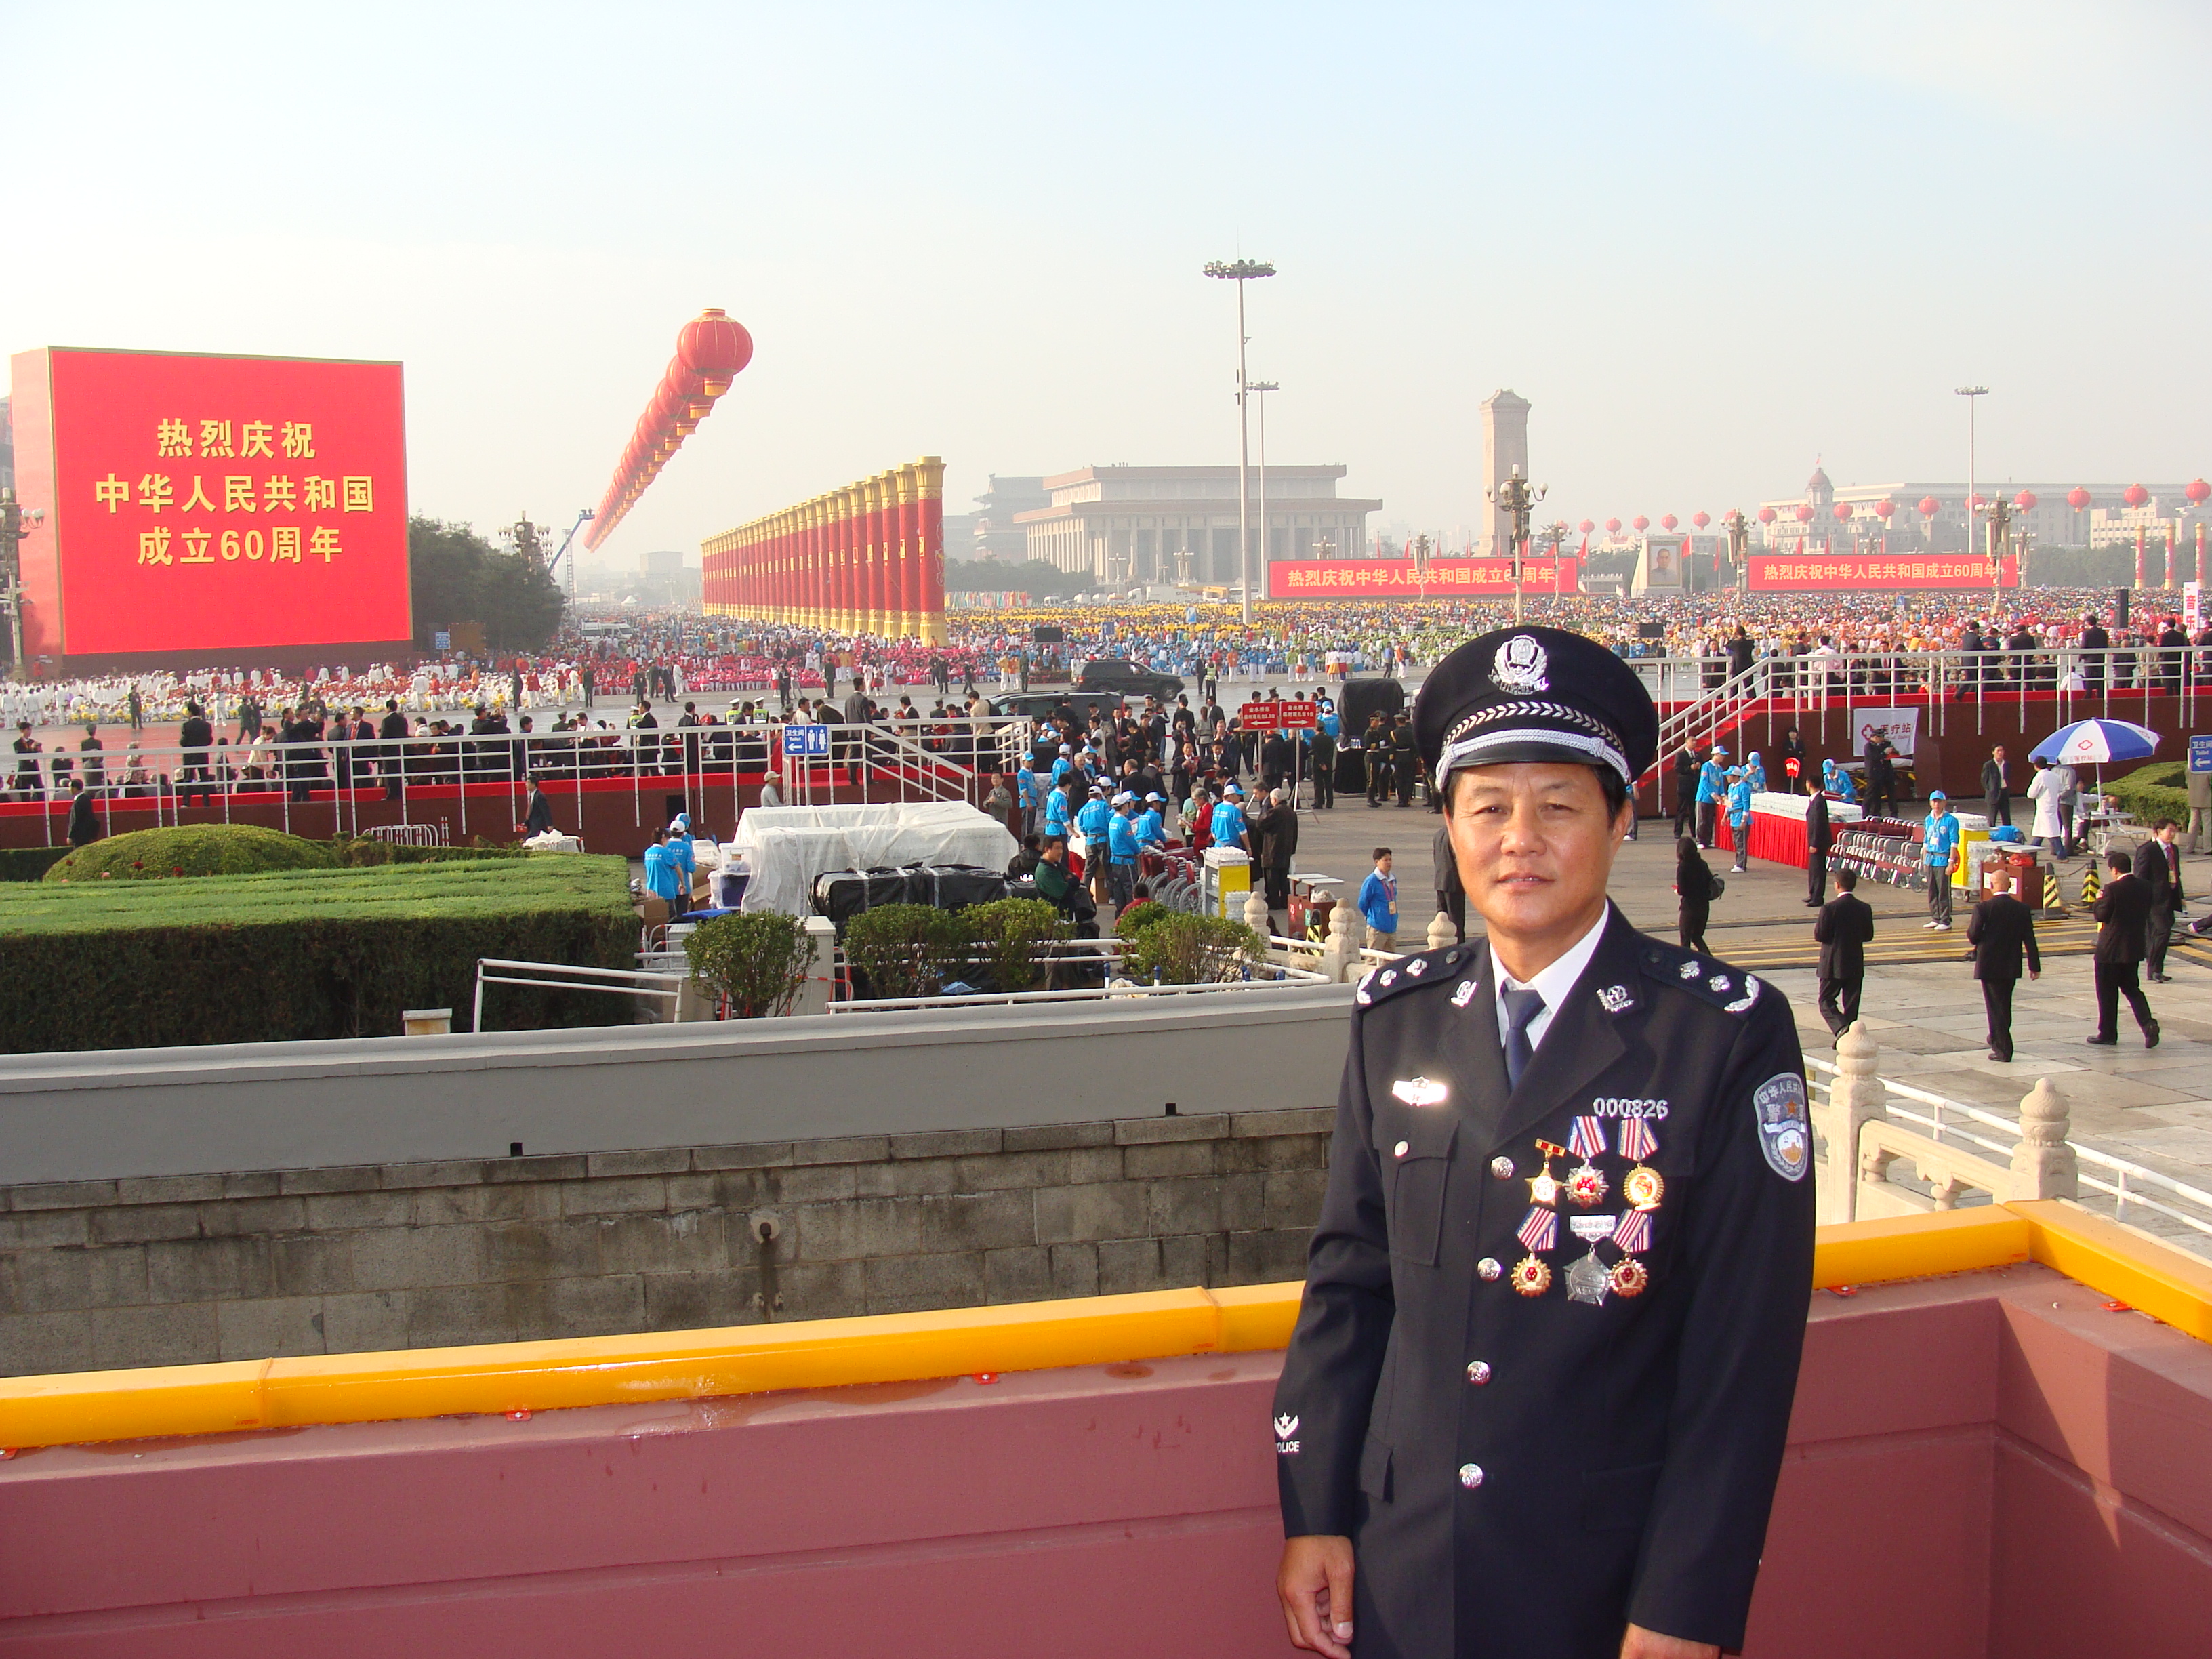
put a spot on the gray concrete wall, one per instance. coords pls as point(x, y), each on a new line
point(176, 1269)
point(376, 1101)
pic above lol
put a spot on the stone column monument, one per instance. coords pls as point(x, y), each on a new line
point(1504, 447)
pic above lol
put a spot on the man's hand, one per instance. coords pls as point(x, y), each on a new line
point(2035, 972)
point(1315, 1584)
point(1641, 1643)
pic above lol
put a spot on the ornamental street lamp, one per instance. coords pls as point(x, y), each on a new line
point(1739, 542)
point(1240, 271)
point(1970, 393)
point(1516, 498)
point(13, 520)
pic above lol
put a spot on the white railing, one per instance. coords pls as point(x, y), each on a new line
point(2123, 1182)
point(1103, 955)
point(566, 976)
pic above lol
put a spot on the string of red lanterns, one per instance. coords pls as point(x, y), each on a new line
point(712, 350)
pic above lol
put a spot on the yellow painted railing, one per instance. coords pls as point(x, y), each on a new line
point(84, 1406)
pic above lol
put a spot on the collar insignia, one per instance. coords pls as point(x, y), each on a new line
point(1612, 998)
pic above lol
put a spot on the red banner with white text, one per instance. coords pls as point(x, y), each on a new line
point(1853, 572)
point(1395, 578)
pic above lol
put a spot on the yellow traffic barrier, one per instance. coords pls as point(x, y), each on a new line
point(87, 1406)
point(2091, 886)
point(2054, 903)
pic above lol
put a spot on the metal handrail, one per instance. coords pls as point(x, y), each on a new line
point(629, 982)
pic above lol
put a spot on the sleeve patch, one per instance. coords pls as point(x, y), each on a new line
point(1785, 1132)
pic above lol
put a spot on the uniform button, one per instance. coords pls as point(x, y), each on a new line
point(1470, 1476)
point(1488, 1268)
point(1479, 1373)
point(1502, 1167)
point(1400, 1149)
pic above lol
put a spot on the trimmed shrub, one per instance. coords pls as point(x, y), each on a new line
point(29, 863)
point(1131, 924)
point(1008, 936)
point(303, 953)
point(367, 853)
point(906, 950)
point(2155, 790)
point(757, 959)
point(191, 849)
point(1187, 949)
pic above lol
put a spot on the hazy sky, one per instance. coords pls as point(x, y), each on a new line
point(1708, 240)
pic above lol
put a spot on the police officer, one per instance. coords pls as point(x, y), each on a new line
point(1536, 1398)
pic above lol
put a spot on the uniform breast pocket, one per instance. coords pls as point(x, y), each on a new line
point(1418, 1155)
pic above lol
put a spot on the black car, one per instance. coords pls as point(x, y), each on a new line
point(1035, 705)
point(1116, 674)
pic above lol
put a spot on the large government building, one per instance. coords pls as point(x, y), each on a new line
point(1164, 523)
point(2104, 519)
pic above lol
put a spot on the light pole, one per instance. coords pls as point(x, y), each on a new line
point(1516, 498)
point(1260, 389)
point(13, 520)
point(1240, 271)
point(1971, 393)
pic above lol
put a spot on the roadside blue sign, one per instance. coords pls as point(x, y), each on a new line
point(805, 740)
point(2200, 753)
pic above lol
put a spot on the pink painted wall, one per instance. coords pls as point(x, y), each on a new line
point(1973, 1472)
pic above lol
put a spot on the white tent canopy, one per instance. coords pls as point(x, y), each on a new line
point(786, 848)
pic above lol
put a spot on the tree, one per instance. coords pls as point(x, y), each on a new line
point(458, 576)
point(1031, 576)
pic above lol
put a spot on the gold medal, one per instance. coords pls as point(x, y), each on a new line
point(1629, 1278)
point(1643, 1187)
point(1585, 1186)
point(1542, 1189)
point(1531, 1277)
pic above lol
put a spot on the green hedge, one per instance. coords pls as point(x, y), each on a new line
point(2151, 792)
point(307, 953)
point(29, 863)
point(191, 849)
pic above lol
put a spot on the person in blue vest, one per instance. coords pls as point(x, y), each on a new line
point(1756, 769)
point(1061, 766)
point(1228, 829)
point(1057, 818)
point(1739, 814)
point(1712, 789)
point(1151, 827)
point(1121, 851)
point(1090, 821)
point(662, 878)
point(681, 856)
point(1837, 782)
point(1378, 903)
point(1939, 851)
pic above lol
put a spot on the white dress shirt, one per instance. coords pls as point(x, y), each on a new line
point(1553, 984)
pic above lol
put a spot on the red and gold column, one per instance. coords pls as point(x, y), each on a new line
point(871, 568)
point(841, 540)
point(898, 544)
point(853, 502)
point(930, 483)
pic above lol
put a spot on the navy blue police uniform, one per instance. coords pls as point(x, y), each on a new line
point(1544, 1367)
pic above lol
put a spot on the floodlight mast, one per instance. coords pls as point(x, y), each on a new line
point(1240, 271)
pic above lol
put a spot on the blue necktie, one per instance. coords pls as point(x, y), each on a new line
point(1521, 1006)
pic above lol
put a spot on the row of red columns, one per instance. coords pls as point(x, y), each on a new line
point(868, 558)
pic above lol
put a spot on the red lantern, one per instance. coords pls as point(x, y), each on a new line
point(1885, 508)
point(1587, 526)
point(1669, 521)
point(2197, 490)
point(2134, 494)
point(1804, 513)
point(2077, 498)
point(1613, 526)
point(1701, 518)
point(1843, 511)
point(1766, 515)
point(1929, 506)
point(1641, 522)
point(716, 347)
point(2024, 501)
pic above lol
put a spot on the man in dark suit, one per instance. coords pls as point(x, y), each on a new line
point(2158, 862)
point(2123, 909)
point(2094, 642)
point(1843, 927)
point(1880, 778)
point(2001, 930)
point(537, 817)
point(1819, 836)
point(196, 735)
point(1996, 791)
point(393, 754)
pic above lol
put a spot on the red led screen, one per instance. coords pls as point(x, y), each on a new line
point(204, 506)
point(1394, 578)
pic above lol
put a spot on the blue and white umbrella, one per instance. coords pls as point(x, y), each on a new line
point(2094, 743)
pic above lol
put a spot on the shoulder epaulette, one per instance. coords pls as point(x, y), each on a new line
point(1423, 968)
point(1707, 978)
